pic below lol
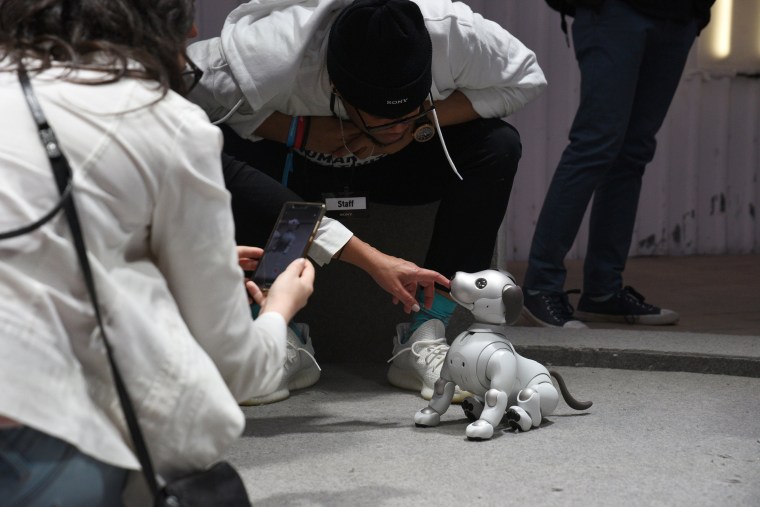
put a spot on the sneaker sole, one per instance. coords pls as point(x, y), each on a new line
point(663, 319)
point(303, 379)
point(404, 379)
point(306, 377)
point(279, 395)
point(571, 324)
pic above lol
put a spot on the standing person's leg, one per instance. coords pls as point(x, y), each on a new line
point(609, 56)
point(616, 199)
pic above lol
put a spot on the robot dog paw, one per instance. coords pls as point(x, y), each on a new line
point(472, 408)
point(479, 430)
point(518, 419)
point(427, 417)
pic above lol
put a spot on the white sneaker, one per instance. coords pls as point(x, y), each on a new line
point(416, 364)
point(301, 369)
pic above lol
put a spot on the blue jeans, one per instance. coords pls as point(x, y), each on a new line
point(630, 67)
point(37, 469)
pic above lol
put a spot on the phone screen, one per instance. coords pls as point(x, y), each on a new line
point(290, 239)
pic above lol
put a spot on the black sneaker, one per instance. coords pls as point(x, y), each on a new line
point(627, 306)
point(550, 309)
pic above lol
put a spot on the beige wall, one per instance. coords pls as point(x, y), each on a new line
point(210, 15)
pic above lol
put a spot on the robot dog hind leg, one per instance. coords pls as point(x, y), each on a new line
point(473, 407)
point(539, 400)
point(533, 403)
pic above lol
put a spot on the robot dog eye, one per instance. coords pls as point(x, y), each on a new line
point(481, 283)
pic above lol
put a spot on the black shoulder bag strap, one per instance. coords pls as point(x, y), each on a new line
point(51, 146)
point(62, 173)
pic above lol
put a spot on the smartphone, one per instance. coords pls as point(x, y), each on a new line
point(290, 239)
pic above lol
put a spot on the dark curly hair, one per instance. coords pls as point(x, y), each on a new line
point(104, 34)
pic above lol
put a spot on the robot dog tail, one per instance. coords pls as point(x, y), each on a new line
point(571, 402)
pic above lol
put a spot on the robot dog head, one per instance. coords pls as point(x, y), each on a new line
point(492, 296)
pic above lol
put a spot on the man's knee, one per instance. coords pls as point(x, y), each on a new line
point(493, 152)
point(506, 141)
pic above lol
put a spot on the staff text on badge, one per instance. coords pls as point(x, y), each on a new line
point(347, 206)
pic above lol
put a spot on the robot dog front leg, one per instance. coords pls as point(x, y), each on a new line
point(500, 368)
point(495, 404)
point(443, 392)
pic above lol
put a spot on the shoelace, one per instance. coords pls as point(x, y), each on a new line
point(630, 295)
point(634, 297)
point(437, 350)
point(296, 350)
point(558, 305)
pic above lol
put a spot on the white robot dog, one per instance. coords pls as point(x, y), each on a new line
point(482, 361)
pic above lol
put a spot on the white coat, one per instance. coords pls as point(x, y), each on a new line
point(158, 225)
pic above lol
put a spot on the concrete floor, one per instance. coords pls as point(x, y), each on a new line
point(650, 439)
point(675, 420)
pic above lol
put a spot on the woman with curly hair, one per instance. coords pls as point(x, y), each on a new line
point(146, 175)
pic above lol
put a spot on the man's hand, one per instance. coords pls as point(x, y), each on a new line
point(342, 138)
point(327, 135)
point(363, 146)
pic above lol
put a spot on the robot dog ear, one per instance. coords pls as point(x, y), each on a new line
point(512, 297)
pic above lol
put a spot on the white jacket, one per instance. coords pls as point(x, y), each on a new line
point(158, 226)
point(251, 68)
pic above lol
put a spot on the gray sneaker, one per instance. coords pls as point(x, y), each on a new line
point(416, 364)
point(301, 369)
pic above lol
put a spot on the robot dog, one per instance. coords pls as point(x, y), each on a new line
point(482, 361)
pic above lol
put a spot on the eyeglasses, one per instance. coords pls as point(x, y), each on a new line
point(402, 121)
point(191, 75)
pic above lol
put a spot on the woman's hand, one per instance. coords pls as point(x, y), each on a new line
point(399, 277)
point(248, 257)
point(289, 292)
